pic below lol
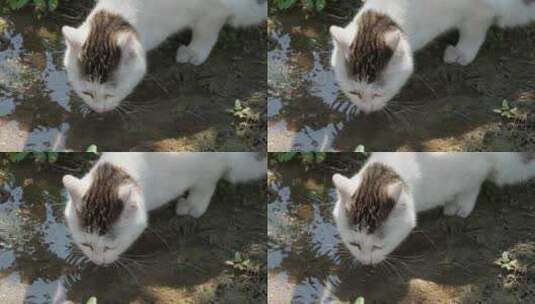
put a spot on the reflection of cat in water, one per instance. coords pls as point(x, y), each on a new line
point(107, 208)
point(106, 56)
point(376, 209)
point(373, 55)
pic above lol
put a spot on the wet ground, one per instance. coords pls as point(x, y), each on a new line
point(443, 107)
point(486, 258)
point(220, 258)
point(176, 107)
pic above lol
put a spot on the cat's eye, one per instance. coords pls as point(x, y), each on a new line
point(377, 248)
point(88, 94)
point(108, 96)
point(356, 93)
point(87, 245)
point(376, 95)
point(108, 248)
point(355, 244)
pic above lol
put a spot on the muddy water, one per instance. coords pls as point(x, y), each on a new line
point(176, 107)
point(443, 107)
point(446, 260)
point(177, 258)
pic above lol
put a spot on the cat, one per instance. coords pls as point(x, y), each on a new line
point(377, 208)
point(107, 208)
point(373, 56)
point(106, 56)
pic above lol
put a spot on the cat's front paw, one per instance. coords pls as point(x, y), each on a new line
point(187, 55)
point(183, 207)
point(452, 209)
point(454, 55)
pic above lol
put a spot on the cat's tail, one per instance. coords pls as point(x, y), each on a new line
point(512, 168)
point(245, 166)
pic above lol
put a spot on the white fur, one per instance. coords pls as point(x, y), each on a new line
point(422, 21)
point(154, 21)
point(451, 180)
point(159, 178)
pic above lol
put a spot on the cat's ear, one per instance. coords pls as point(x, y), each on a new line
point(392, 39)
point(343, 186)
point(129, 44)
point(74, 187)
point(72, 36)
point(339, 36)
point(394, 190)
point(130, 194)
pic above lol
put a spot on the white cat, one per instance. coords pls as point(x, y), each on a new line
point(107, 208)
point(106, 56)
point(376, 209)
point(373, 55)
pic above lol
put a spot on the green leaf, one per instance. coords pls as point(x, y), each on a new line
point(92, 149)
point(360, 149)
point(92, 300)
point(285, 4)
point(505, 104)
point(53, 4)
point(237, 106)
point(286, 156)
point(320, 4)
point(359, 300)
point(308, 157)
point(237, 256)
point(52, 157)
point(40, 157)
point(320, 157)
point(40, 4)
point(17, 4)
point(17, 157)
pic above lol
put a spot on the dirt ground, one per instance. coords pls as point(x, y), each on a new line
point(176, 107)
point(219, 258)
point(442, 108)
point(487, 258)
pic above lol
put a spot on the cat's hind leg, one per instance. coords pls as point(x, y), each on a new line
point(205, 33)
point(472, 34)
point(198, 199)
point(463, 204)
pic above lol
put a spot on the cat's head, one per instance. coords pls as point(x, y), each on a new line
point(105, 212)
point(372, 60)
point(374, 213)
point(104, 60)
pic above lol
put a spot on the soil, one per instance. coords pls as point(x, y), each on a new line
point(219, 258)
point(488, 257)
point(442, 108)
point(177, 106)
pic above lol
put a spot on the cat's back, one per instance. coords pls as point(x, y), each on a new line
point(422, 20)
point(511, 13)
point(246, 12)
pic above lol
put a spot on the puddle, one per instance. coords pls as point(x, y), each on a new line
point(443, 107)
point(193, 261)
point(448, 260)
point(176, 107)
